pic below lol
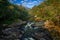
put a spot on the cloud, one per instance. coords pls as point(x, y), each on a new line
point(25, 0)
point(29, 4)
point(26, 3)
point(22, 1)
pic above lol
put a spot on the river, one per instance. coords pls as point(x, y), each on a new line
point(28, 31)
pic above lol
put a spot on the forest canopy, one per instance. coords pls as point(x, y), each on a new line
point(48, 10)
point(10, 12)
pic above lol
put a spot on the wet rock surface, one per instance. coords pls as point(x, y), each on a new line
point(26, 32)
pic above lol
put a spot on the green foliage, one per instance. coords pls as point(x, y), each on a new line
point(10, 12)
point(21, 13)
point(48, 10)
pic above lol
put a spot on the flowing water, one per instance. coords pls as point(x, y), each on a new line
point(28, 31)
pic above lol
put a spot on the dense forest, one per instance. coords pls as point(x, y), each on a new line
point(48, 11)
point(10, 12)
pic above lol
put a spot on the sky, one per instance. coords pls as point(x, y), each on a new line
point(26, 3)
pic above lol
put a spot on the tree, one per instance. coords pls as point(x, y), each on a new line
point(10, 12)
point(48, 10)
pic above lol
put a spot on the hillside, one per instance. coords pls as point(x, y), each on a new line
point(10, 12)
point(48, 10)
